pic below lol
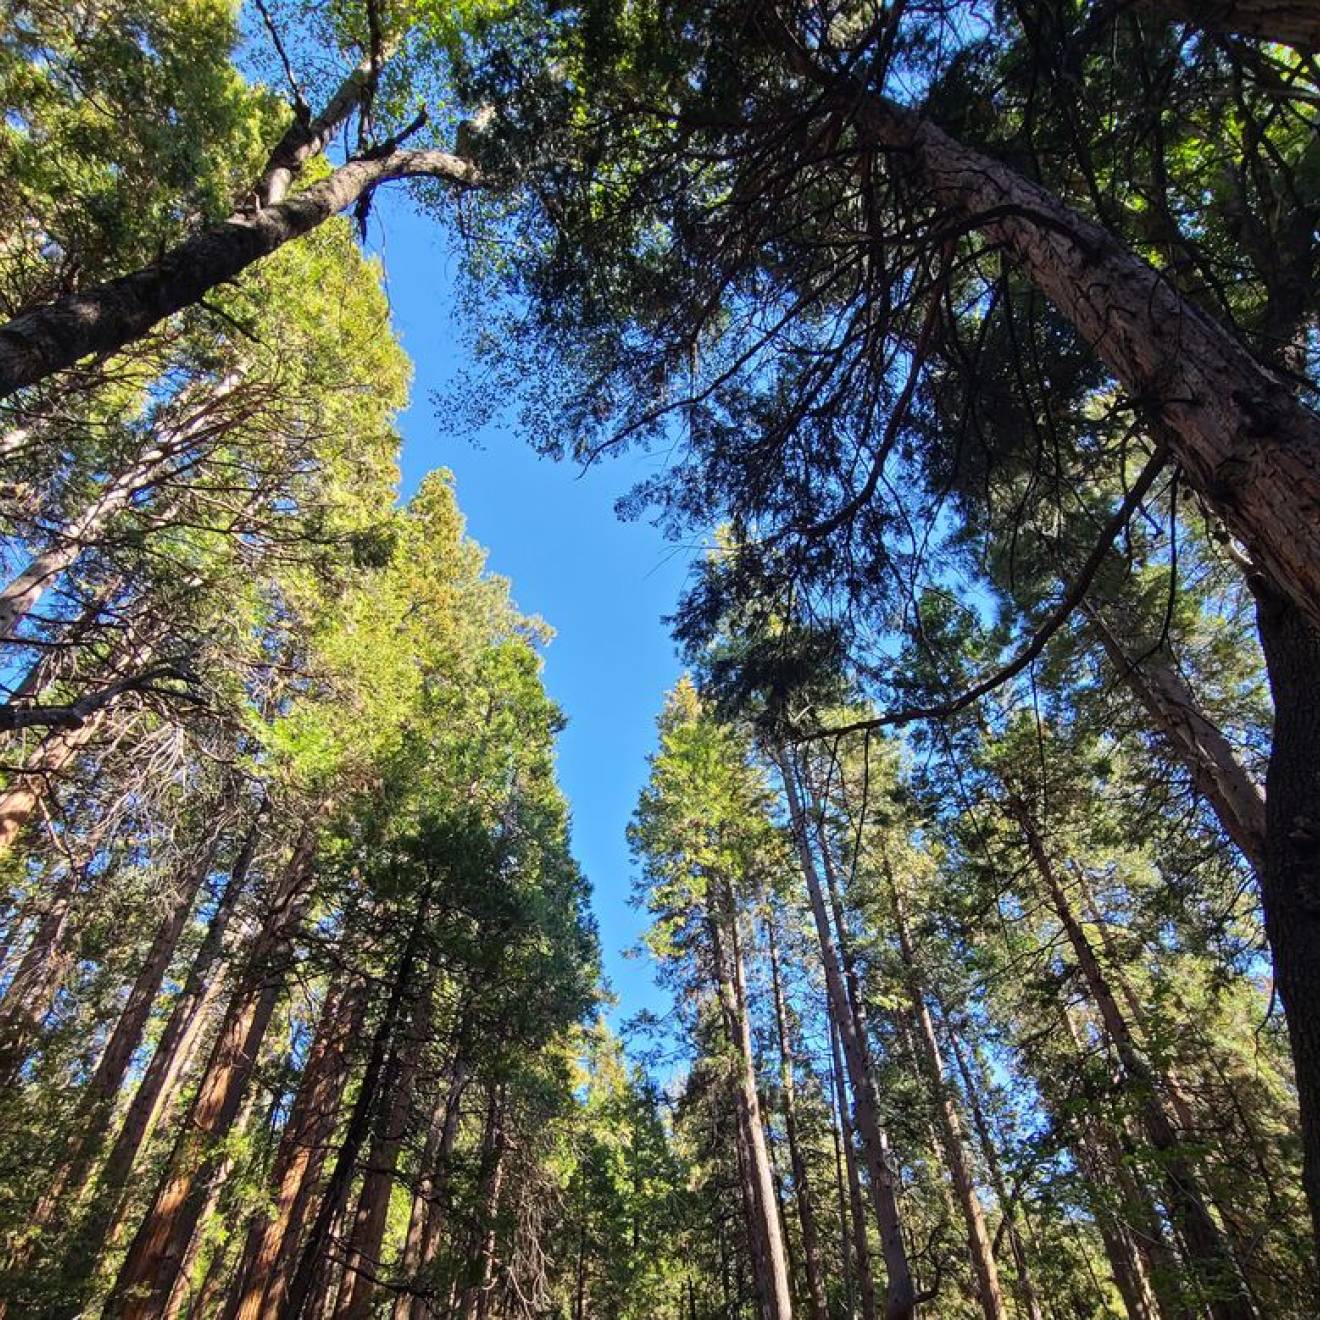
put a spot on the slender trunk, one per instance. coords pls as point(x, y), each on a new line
point(363, 1259)
point(856, 1206)
point(272, 1240)
point(764, 1229)
point(425, 1221)
point(147, 1276)
point(38, 977)
point(27, 787)
point(188, 1298)
point(1130, 1272)
point(481, 1251)
point(1008, 1206)
point(801, 1183)
point(1290, 881)
point(1171, 1085)
point(580, 1286)
point(900, 1290)
point(316, 1249)
point(19, 596)
point(951, 1127)
point(1206, 1247)
point(841, 1196)
point(1145, 1269)
point(1218, 775)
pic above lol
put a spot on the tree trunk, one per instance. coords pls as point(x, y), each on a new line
point(1126, 1264)
point(173, 1052)
point(272, 1240)
point(1290, 881)
point(26, 788)
point(19, 596)
point(841, 1195)
point(105, 318)
point(801, 1183)
point(148, 1274)
point(1208, 1252)
point(94, 1106)
point(393, 1118)
point(1216, 772)
point(188, 1299)
point(1008, 1206)
point(425, 1221)
point(764, 1231)
point(38, 977)
point(1296, 23)
point(951, 1127)
point(900, 1290)
point(316, 1249)
point(857, 1214)
point(481, 1252)
point(1249, 448)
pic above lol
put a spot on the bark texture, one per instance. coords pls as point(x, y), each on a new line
point(108, 316)
point(801, 1184)
point(1247, 445)
point(91, 1122)
point(1293, 22)
point(272, 1240)
point(1206, 1247)
point(314, 1257)
point(426, 1218)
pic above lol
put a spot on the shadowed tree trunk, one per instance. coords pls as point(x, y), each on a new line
point(1293, 22)
point(109, 316)
point(314, 1256)
point(856, 1207)
point(90, 1124)
point(189, 1297)
point(40, 973)
point(1247, 445)
point(363, 1260)
point(425, 1220)
point(480, 1271)
point(1029, 1300)
point(174, 1050)
point(1290, 880)
point(801, 1184)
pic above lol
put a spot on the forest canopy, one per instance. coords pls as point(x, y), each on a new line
point(975, 348)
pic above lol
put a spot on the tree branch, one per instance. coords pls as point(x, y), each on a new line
point(1072, 598)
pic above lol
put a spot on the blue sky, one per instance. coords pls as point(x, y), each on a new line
point(602, 584)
